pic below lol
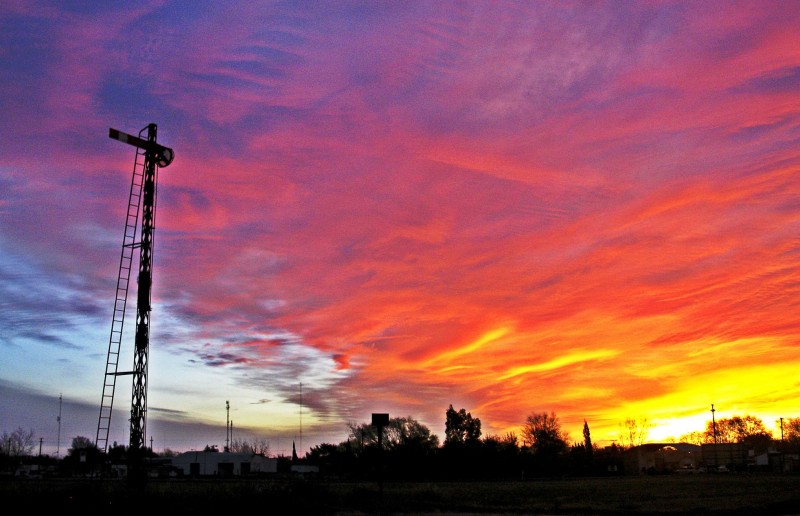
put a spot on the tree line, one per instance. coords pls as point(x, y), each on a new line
point(408, 449)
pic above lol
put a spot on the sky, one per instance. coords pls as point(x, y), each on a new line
point(586, 208)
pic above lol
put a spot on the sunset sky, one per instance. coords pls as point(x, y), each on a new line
point(587, 208)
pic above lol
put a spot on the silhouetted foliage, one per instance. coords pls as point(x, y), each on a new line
point(335, 460)
point(81, 443)
point(460, 456)
point(608, 460)
point(542, 433)
point(461, 427)
point(83, 457)
point(117, 453)
point(587, 440)
point(408, 446)
point(791, 429)
point(635, 431)
point(695, 437)
point(256, 446)
point(546, 441)
point(18, 443)
point(500, 457)
point(791, 434)
point(739, 429)
point(410, 451)
point(168, 452)
point(578, 459)
point(407, 450)
point(408, 432)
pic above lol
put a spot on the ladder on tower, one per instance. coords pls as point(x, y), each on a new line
point(126, 264)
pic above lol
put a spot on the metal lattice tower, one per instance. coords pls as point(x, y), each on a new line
point(149, 157)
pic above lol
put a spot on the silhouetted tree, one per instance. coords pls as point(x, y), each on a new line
point(587, 440)
point(739, 429)
point(83, 456)
point(695, 437)
point(543, 434)
point(460, 456)
point(332, 459)
point(363, 435)
point(508, 441)
point(546, 441)
point(500, 456)
point(791, 429)
point(117, 453)
point(791, 434)
point(608, 460)
point(407, 431)
point(401, 431)
point(322, 451)
point(17, 443)
point(408, 447)
point(460, 427)
point(256, 446)
point(80, 443)
point(635, 431)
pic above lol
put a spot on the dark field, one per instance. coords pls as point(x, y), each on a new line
point(735, 494)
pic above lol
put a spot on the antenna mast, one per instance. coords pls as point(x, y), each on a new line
point(149, 157)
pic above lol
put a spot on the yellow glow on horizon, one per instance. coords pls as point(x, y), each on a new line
point(760, 390)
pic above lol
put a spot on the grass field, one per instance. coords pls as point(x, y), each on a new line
point(734, 494)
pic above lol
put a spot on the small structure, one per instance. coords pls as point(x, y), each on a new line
point(224, 464)
point(661, 457)
point(734, 456)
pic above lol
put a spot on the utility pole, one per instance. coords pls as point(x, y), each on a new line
point(40, 446)
point(714, 429)
point(782, 447)
point(58, 442)
point(713, 423)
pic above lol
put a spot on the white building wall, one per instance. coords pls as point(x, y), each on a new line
point(223, 463)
